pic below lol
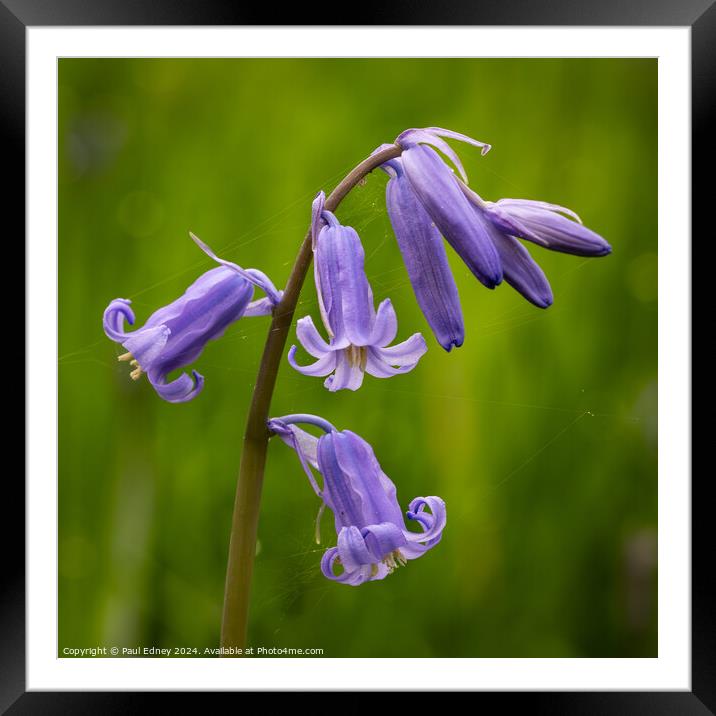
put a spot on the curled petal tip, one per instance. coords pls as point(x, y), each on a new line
point(204, 247)
point(181, 390)
point(441, 132)
point(322, 367)
point(114, 316)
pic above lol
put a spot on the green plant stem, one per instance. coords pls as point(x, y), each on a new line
point(244, 524)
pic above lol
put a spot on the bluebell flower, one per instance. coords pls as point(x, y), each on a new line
point(359, 337)
point(544, 224)
point(175, 335)
point(425, 258)
point(551, 226)
point(438, 190)
point(373, 539)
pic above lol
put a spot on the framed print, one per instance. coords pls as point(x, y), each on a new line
point(359, 344)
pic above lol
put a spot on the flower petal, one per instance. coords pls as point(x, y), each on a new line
point(348, 375)
point(180, 390)
point(382, 539)
point(425, 259)
point(536, 204)
point(409, 352)
point(553, 230)
point(322, 367)
point(262, 307)
point(303, 443)
point(503, 220)
point(256, 277)
point(439, 192)
point(363, 574)
point(385, 327)
point(521, 271)
point(311, 340)
point(357, 489)
point(113, 319)
point(346, 293)
point(381, 361)
point(317, 216)
point(353, 550)
point(484, 148)
point(344, 496)
point(433, 522)
point(378, 368)
point(146, 345)
point(323, 294)
point(412, 137)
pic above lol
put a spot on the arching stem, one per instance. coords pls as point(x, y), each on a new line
point(244, 524)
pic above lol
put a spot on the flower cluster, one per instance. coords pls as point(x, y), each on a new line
point(428, 203)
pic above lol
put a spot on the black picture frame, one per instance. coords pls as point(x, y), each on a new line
point(17, 15)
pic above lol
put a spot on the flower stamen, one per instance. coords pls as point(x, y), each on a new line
point(357, 356)
point(394, 560)
point(136, 374)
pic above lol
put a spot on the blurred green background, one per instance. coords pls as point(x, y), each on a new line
point(539, 433)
